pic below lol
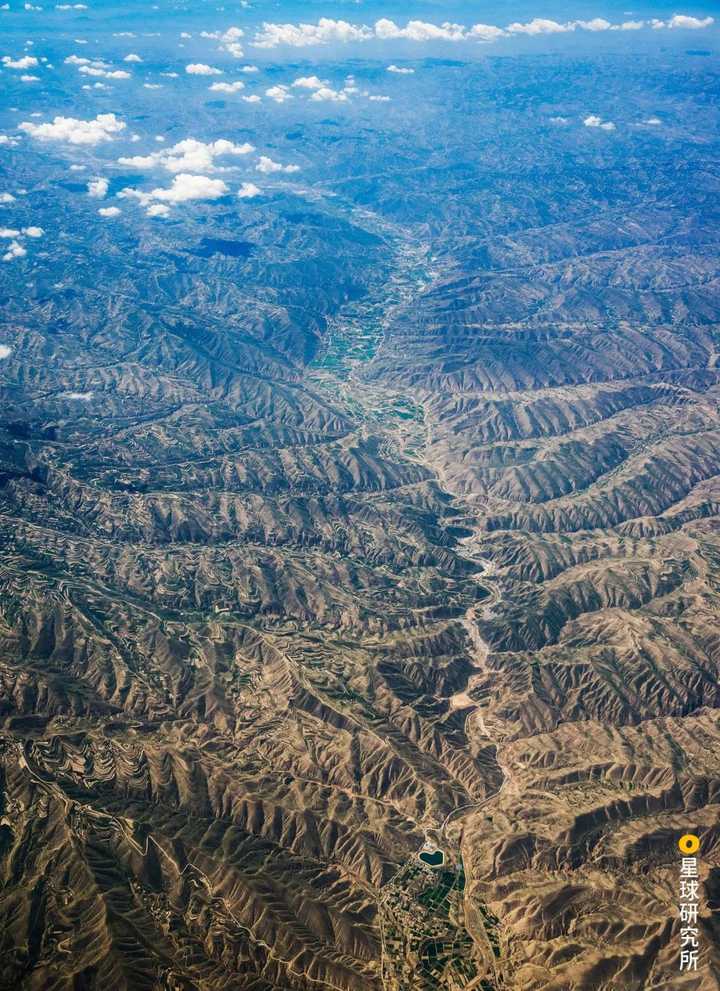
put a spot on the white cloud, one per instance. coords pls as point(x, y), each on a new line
point(5, 351)
point(309, 82)
point(596, 24)
point(325, 93)
point(170, 75)
point(302, 35)
point(694, 23)
point(94, 70)
point(152, 86)
point(250, 69)
point(328, 31)
point(8, 232)
point(230, 42)
point(227, 87)
point(200, 69)
point(109, 211)
point(539, 25)
point(15, 250)
point(267, 166)
point(419, 31)
point(70, 6)
point(7, 198)
point(252, 99)
point(279, 94)
point(652, 121)
point(76, 132)
point(132, 57)
point(83, 397)
point(400, 70)
point(97, 188)
point(158, 210)
point(189, 155)
point(485, 32)
point(379, 99)
point(248, 190)
point(33, 231)
point(185, 188)
point(29, 79)
point(25, 62)
point(594, 121)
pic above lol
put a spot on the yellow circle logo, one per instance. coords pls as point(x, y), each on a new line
point(689, 844)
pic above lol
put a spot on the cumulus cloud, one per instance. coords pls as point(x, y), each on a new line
point(7, 198)
point(227, 87)
point(132, 57)
point(596, 24)
point(15, 250)
point(29, 79)
point(279, 93)
point(25, 62)
point(230, 42)
point(189, 155)
point(485, 32)
point(94, 70)
point(104, 127)
point(400, 70)
point(83, 397)
point(109, 211)
point(594, 121)
point(97, 188)
point(252, 99)
point(693, 23)
point(248, 190)
point(268, 166)
point(538, 25)
point(301, 35)
point(328, 31)
point(200, 69)
point(309, 82)
point(325, 93)
point(419, 31)
point(185, 188)
point(321, 90)
point(5, 351)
